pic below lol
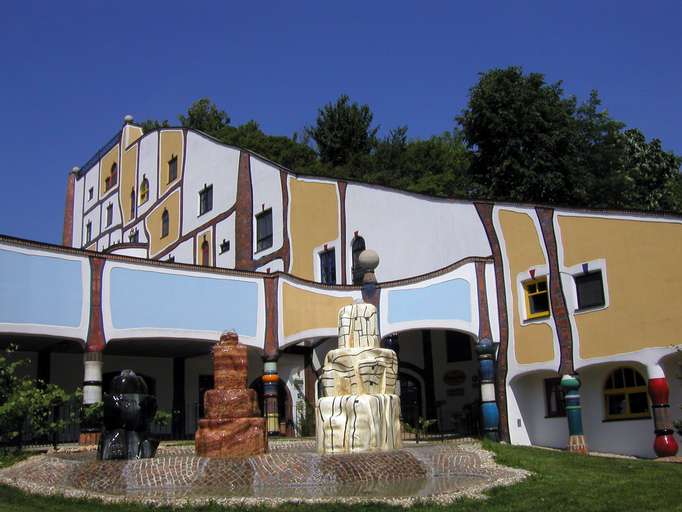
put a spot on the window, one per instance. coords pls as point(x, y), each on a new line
point(625, 395)
point(206, 199)
point(164, 224)
point(88, 231)
point(457, 346)
point(205, 258)
point(264, 230)
point(144, 190)
point(590, 290)
point(134, 236)
point(554, 398)
point(328, 266)
point(91, 192)
point(111, 180)
point(110, 214)
point(224, 246)
point(537, 298)
point(357, 246)
point(173, 169)
point(132, 203)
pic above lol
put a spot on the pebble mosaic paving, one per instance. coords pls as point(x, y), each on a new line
point(290, 472)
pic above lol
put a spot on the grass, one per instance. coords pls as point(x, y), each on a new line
point(561, 481)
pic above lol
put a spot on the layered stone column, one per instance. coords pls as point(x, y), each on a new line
point(270, 396)
point(665, 444)
point(576, 437)
point(490, 415)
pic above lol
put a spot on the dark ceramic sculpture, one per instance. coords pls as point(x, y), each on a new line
point(128, 412)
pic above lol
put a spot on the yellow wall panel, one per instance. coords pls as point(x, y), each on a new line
point(107, 161)
point(533, 342)
point(314, 214)
point(208, 237)
point(153, 224)
point(128, 181)
point(644, 279)
point(304, 310)
point(170, 145)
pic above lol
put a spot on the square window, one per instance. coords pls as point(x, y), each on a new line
point(110, 214)
point(537, 298)
point(554, 398)
point(590, 290)
point(206, 199)
point(173, 169)
point(328, 266)
point(264, 230)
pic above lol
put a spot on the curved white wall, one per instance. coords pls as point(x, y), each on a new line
point(207, 163)
point(267, 193)
point(412, 234)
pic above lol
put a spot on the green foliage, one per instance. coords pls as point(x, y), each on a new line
point(162, 418)
point(150, 125)
point(24, 401)
point(92, 415)
point(343, 131)
point(205, 116)
point(305, 412)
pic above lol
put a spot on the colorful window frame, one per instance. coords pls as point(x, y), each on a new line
point(537, 298)
point(625, 395)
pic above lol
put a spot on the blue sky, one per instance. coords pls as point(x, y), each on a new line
point(72, 70)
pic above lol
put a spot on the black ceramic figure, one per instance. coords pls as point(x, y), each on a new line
point(128, 412)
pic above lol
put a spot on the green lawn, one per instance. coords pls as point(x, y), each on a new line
point(562, 482)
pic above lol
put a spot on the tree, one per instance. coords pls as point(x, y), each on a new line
point(149, 125)
point(521, 132)
point(24, 401)
point(343, 131)
point(205, 116)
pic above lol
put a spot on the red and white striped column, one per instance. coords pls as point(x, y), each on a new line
point(665, 444)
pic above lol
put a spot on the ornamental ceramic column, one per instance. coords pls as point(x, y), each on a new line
point(665, 444)
point(576, 438)
point(490, 414)
point(270, 389)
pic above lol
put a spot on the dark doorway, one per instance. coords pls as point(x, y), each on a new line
point(410, 399)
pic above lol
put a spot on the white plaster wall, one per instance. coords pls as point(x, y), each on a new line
point(274, 266)
point(207, 163)
point(267, 193)
point(629, 437)
point(224, 230)
point(66, 370)
point(77, 212)
point(115, 237)
point(134, 252)
point(183, 253)
point(92, 216)
point(529, 391)
point(116, 212)
point(672, 366)
point(103, 243)
point(149, 167)
point(91, 181)
point(412, 235)
point(141, 233)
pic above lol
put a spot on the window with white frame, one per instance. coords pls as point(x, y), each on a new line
point(264, 230)
point(328, 266)
point(205, 199)
point(590, 290)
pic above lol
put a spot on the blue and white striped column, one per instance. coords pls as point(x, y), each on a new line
point(490, 414)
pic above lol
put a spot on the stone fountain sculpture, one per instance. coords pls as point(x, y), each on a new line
point(128, 411)
point(233, 426)
point(359, 410)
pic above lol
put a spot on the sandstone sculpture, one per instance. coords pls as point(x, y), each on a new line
point(128, 412)
point(359, 410)
point(233, 426)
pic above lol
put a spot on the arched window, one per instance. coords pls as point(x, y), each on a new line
point(625, 395)
point(144, 190)
point(205, 259)
point(357, 246)
point(164, 224)
point(114, 174)
point(132, 203)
